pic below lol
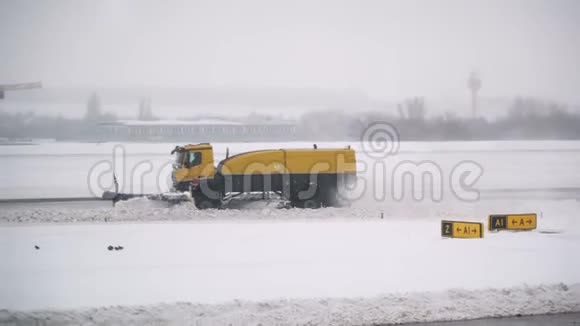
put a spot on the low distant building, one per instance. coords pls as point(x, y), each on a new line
point(196, 130)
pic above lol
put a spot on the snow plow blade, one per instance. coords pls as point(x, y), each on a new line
point(171, 197)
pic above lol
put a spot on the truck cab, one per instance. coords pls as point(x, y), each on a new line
point(192, 163)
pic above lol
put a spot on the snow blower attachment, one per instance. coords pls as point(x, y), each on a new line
point(306, 178)
point(169, 197)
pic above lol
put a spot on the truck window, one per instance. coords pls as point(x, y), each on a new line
point(193, 159)
point(179, 159)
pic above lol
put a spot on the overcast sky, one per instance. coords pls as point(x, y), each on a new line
point(389, 49)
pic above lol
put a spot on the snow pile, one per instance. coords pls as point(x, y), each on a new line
point(144, 210)
point(552, 215)
point(385, 309)
point(54, 215)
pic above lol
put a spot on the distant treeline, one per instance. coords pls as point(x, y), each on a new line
point(526, 118)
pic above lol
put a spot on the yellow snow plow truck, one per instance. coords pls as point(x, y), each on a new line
point(307, 178)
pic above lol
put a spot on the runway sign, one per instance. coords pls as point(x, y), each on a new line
point(465, 230)
point(516, 222)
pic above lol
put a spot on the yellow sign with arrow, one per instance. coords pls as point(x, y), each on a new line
point(516, 222)
point(465, 230)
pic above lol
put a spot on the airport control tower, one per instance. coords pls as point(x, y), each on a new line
point(474, 85)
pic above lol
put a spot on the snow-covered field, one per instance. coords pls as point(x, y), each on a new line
point(301, 266)
point(277, 266)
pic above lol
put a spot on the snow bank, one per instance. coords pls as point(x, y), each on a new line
point(555, 215)
point(385, 309)
point(144, 210)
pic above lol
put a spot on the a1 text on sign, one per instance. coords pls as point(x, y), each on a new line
point(513, 222)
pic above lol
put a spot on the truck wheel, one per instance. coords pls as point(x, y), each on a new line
point(312, 203)
point(183, 186)
point(205, 204)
